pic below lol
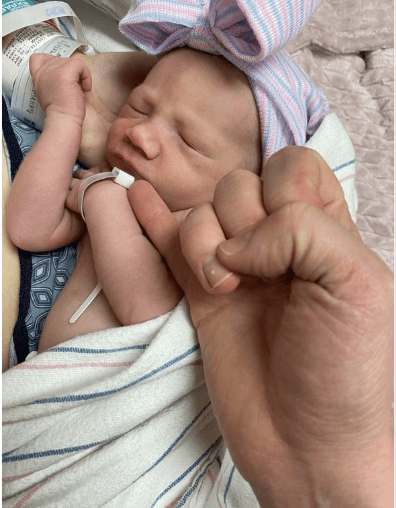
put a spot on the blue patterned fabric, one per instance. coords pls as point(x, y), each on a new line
point(50, 272)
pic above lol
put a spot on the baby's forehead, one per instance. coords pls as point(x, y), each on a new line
point(200, 82)
point(205, 67)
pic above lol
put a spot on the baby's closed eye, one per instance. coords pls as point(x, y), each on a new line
point(194, 142)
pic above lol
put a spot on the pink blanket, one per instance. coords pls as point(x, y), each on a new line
point(347, 49)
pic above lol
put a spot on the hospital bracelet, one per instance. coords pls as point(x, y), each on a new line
point(118, 175)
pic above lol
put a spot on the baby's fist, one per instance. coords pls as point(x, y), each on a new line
point(61, 84)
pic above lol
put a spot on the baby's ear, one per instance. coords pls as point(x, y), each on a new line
point(37, 60)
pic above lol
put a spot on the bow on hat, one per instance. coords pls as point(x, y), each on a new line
point(244, 30)
point(250, 34)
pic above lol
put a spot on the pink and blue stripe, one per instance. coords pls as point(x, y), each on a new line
point(250, 34)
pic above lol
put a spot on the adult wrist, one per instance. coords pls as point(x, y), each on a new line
point(363, 480)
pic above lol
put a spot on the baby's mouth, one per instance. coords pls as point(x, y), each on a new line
point(120, 164)
point(130, 171)
point(134, 173)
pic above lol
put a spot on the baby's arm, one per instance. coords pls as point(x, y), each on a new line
point(36, 215)
point(132, 273)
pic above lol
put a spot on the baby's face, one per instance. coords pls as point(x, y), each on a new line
point(189, 123)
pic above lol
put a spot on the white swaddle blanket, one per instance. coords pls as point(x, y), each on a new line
point(122, 418)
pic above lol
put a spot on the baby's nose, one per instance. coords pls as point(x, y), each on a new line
point(144, 139)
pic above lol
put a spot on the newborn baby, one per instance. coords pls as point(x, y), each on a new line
point(191, 121)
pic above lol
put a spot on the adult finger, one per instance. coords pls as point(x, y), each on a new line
point(200, 235)
point(306, 240)
point(298, 173)
point(163, 229)
point(156, 219)
point(238, 202)
point(237, 207)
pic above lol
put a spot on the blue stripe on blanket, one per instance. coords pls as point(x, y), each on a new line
point(86, 350)
point(228, 484)
point(176, 441)
point(184, 499)
point(48, 453)
point(349, 163)
point(217, 443)
point(88, 396)
point(72, 449)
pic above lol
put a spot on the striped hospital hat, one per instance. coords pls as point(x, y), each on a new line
point(250, 34)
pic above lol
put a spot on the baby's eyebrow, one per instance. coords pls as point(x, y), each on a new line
point(188, 118)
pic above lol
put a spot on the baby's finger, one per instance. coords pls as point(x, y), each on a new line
point(72, 196)
point(73, 183)
point(200, 235)
point(37, 60)
point(238, 201)
point(81, 174)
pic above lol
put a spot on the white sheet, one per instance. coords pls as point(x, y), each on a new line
point(100, 29)
point(127, 410)
point(117, 418)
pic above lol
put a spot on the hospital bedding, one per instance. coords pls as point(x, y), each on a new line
point(127, 411)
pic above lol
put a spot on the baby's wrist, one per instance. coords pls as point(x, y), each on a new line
point(63, 117)
point(105, 188)
point(100, 193)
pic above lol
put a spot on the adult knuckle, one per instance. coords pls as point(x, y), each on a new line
point(235, 175)
point(197, 213)
point(294, 214)
point(301, 157)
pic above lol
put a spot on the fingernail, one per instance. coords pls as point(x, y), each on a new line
point(236, 244)
point(214, 272)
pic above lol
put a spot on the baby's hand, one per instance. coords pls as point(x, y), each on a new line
point(72, 197)
point(134, 277)
point(60, 84)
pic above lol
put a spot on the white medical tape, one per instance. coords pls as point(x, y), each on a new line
point(119, 176)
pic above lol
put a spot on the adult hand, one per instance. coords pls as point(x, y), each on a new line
point(114, 76)
point(295, 328)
